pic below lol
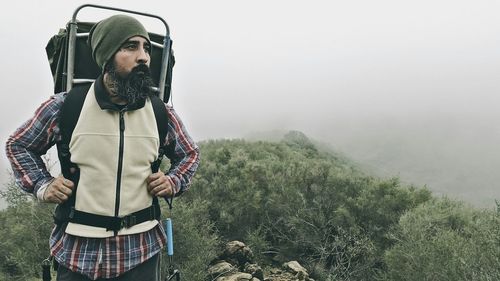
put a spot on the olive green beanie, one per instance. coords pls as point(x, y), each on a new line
point(107, 36)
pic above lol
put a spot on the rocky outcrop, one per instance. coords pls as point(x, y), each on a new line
point(219, 269)
point(236, 263)
point(237, 253)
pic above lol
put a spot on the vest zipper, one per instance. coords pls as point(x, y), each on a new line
point(120, 165)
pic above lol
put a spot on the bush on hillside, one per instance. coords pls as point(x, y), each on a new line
point(445, 240)
point(195, 240)
point(301, 203)
point(24, 228)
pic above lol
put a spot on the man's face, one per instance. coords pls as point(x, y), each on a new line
point(127, 75)
point(136, 50)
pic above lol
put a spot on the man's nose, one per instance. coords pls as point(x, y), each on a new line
point(142, 56)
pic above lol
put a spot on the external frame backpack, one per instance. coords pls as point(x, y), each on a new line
point(59, 50)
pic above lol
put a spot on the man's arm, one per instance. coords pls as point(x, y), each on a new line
point(29, 142)
point(184, 154)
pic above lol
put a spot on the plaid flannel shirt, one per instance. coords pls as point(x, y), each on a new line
point(94, 257)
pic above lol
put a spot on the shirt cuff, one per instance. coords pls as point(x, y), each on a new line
point(40, 193)
point(174, 182)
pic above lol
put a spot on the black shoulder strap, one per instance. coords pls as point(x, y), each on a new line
point(70, 112)
point(68, 117)
point(161, 116)
point(162, 124)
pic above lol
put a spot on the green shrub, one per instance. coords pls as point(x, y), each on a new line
point(195, 239)
point(445, 240)
point(25, 226)
point(298, 202)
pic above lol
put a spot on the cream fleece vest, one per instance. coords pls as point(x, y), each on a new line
point(95, 149)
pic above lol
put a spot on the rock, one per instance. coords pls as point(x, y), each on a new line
point(275, 271)
point(237, 252)
point(255, 270)
point(221, 268)
point(239, 276)
point(283, 276)
point(295, 268)
point(237, 257)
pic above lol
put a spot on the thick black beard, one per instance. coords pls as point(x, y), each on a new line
point(135, 87)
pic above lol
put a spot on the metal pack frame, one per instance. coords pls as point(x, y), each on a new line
point(73, 34)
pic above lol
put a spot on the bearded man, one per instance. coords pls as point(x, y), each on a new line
point(113, 145)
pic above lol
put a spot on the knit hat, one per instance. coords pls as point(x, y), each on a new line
point(107, 36)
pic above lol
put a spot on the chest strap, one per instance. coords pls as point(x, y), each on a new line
point(115, 223)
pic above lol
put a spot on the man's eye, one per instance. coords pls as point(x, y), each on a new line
point(147, 49)
point(129, 47)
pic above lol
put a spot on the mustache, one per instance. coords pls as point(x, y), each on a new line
point(140, 70)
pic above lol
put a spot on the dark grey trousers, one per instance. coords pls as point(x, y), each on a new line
point(147, 271)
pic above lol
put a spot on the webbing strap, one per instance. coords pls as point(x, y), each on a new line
point(115, 223)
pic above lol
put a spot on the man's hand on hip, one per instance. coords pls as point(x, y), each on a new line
point(160, 185)
point(59, 190)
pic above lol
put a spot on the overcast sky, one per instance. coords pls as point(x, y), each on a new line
point(345, 72)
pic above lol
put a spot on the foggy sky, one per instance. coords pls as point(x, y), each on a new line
point(408, 88)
